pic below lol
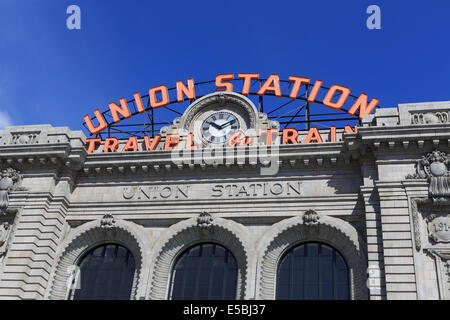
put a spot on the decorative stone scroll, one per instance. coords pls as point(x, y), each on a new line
point(433, 167)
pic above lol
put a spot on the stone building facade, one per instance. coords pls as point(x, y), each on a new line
point(379, 196)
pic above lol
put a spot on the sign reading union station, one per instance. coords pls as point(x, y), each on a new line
point(225, 126)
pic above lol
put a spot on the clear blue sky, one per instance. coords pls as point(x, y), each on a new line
point(49, 74)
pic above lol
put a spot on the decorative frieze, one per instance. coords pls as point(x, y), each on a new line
point(420, 118)
point(24, 137)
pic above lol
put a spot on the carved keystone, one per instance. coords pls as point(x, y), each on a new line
point(204, 219)
point(311, 218)
point(107, 222)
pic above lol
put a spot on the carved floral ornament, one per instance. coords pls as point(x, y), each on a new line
point(433, 167)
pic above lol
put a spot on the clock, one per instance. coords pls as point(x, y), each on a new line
point(219, 127)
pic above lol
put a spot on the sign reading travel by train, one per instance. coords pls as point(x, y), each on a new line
point(224, 126)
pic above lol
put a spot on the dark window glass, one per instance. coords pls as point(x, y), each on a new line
point(313, 271)
point(107, 273)
point(206, 271)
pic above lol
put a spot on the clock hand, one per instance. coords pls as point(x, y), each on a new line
point(226, 124)
point(214, 125)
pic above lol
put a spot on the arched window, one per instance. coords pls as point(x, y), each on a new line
point(106, 273)
point(206, 271)
point(313, 271)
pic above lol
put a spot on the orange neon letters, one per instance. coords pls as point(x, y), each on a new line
point(349, 129)
point(269, 133)
point(154, 101)
point(189, 91)
point(101, 122)
point(153, 144)
point(131, 145)
point(116, 110)
point(236, 139)
point(220, 84)
point(315, 90)
point(361, 104)
point(333, 134)
point(111, 144)
point(313, 135)
point(290, 135)
point(159, 97)
point(298, 81)
point(247, 77)
point(139, 104)
point(172, 141)
point(190, 141)
point(272, 84)
point(92, 142)
point(327, 101)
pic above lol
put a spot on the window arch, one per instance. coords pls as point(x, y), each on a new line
point(106, 272)
point(205, 271)
point(312, 270)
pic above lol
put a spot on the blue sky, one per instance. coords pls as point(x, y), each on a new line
point(49, 74)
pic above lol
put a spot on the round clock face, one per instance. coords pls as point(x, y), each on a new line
point(219, 127)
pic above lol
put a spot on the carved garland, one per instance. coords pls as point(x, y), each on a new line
point(291, 232)
point(90, 235)
point(194, 231)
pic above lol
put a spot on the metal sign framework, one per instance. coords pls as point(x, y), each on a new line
point(299, 117)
